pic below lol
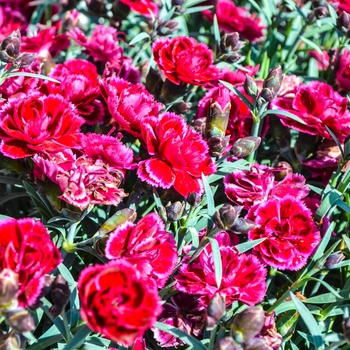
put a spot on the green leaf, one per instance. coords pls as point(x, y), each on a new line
point(79, 338)
point(33, 75)
point(186, 338)
point(50, 337)
point(197, 9)
point(284, 113)
point(342, 205)
point(259, 9)
point(309, 321)
point(217, 260)
point(327, 202)
point(312, 44)
point(315, 189)
point(216, 31)
point(139, 37)
point(209, 196)
point(243, 247)
point(328, 298)
point(238, 93)
point(11, 196)
point(190, 3)
point(325, 284)
point(336, 141)
point(323, 245)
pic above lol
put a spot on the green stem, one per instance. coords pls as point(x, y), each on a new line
point(66, 327)
point(254, 132)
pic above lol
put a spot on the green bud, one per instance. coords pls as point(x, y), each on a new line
point(250, 86)
point(245, 146)
point(226, 216)
point(20, 320)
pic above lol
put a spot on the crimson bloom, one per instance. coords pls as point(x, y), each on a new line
point(179, 155)
point(289, 231)
point(243, 277)
point(343, 71)
point(144, 7)
point(182, 60)
point(147, 246)
point(236, 19)
point(79, 85)
point(318, 105)
point(116, 302)
point(129, 104)
point(27, 249)
point(35, 123)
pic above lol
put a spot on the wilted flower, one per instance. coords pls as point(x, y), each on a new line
point(116, 302)
point(27, 249)
point(236, 19)
point(289, 231)
point(318, 105)
point(145, 245)
point(179, 155)
point(35, 123)
point(183, 60)
point(20, 320)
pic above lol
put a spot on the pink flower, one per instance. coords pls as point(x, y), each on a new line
point(126, 71)
point(318, 105)
point(249, 188)
point(147, 246)
point(117, 302)
point(238, 76)
point(129, 104)
point(35, 123)
point(179, 155)
point(342, 5)
point(243, 277)
point(10, 20)
point(291, 235)
point(82, 180)
point(182, 60)
point(343, 71)
point(144, 7)
point(323, 59)
point(27, 249)
point(236, 19)
point(269, 332)
point(102, 46)
point(79, 85)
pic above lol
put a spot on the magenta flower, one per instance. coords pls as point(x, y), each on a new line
point(179, 155)
point(79, 85)
point(291, 235)
point(318, 105)
point(129, 104)
point(126, 71)
point(144, 7)
point(343, 71)
point(147, 246)
point(11, 18)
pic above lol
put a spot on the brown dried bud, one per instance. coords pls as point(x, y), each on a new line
point(171, 92)
point(194, 199)
point(343, 21)
point(200, 125)
point(245, 146)
point(333, 260)
point(10, 47)
point(97, 7)
point(20, 320)
point(24, 60)
point(174, 210)
point(346, 328)
point(68, 4)
point(12, 341)
point(227, 343)
point(267, 95)
point(8, 289)
point(167, 27)
point(60, 294)
point(182, 107)
point(243, 225)
point(217, 145)
point(120, 10)
point(226, 216)
point(247, 324)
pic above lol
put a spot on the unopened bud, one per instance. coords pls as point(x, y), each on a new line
point(247, 324)
point(174, 210)
point(20, 320)
point(334, 259)
point(257, 344)
point(24, 60)
point(182, 107)
point(216, 309)
point(267, 95)
point(12, 341)
point(227, 343)
point(200, 125)
point(217, 145)
point(245, 146)
point(219, 114)
point(343, 21)
point(10, 47)
point(97, 7)
point(8, 289)
point(194, 199)
point(171, 92)
point(244, 225)
point(250, 86)
point(68, 4)
point(167, 27)
point(272, 83)
point(321, 12)
point(226, 216)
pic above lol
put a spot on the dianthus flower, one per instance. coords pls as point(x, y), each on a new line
point(102, 46)
point(318, 105)
point(35, 123)
point(129, 104)
point(147, 246)
point(243, 277)
point(144, 7)
point(27, 249)
point(10, 20)
point(289, 231)
point(343, 72)
point(78, 85)
point(117, 302)
point(183, 60)
point(236, 19)
point(179, 155)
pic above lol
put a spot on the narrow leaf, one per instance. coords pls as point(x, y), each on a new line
point(217, 260)
point(243, 247)
point(284, 113)
point(78, 339)
point(209, 195)
point(33, 75)
point(238, 93)
point(197, 9)
point(138, 38)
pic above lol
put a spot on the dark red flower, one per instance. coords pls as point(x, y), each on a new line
point(182, 60)
point(343, 71)
point(116, 302)
point(144, 7)
point(147, 246)
point(79, 85)
point(10, 20)
point(179, 155)
point(126, 71)
point(318, 105)
point(27, 249)
point(35, 123)
point(236, 19)
point(129, 104)
point(291, 235)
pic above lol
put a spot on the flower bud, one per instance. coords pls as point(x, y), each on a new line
point(194, 199)
point(346, 328)
point(97, 7)
point(8, 289)
point(216, 309)
point(20, 320)
point(182, 107)
point(257, 344)
point(250, 86)
point(60, 294)
point(244, 225)
point(24, 60)
point(247, 324)
point(272, 84)
point(227, 343)
point(333, 260)
point(12, 342)
point(267, 95)
point(217, 145)
point(282, 170)
point(174, 210)
point(200, 125)
point(70, 20)
point(321, 12)
point(226, 216)
point(10, 47)
point(167, 27)
point(120, 10)
point(343, 21)
point(245, 146)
